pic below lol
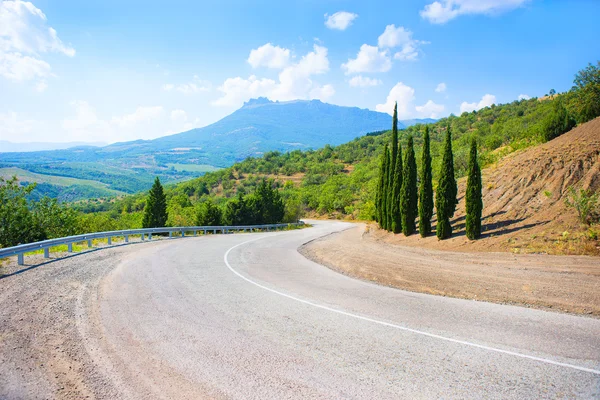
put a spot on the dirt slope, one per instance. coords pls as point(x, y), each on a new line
point(524, 207)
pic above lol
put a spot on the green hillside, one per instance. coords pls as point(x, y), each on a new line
point(339, 181)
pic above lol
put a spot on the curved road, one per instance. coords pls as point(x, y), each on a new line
point(247, 316)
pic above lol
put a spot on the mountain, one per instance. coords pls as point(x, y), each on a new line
point(11, 147)
point(258, 127)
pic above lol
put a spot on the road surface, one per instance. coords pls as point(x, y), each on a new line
point(246, 316)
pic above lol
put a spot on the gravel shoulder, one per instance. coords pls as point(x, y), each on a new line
point(560, 283)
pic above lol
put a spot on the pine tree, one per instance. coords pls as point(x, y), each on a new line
point(474, 203)
point(396, 214)
point(155, 212)
point(426, 188)
point(445, 197)
point(384, 192)
point(392, 172)
point(408, 194)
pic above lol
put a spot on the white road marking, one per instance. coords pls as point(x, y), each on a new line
point(388, 324)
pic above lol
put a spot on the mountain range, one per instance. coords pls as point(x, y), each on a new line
point(12, 147)
point(259, 126)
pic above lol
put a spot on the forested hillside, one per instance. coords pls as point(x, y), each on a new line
point(340, 181)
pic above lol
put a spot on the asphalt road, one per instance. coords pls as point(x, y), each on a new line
point(246, 316)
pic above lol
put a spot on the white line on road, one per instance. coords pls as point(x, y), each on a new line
point(388, 324)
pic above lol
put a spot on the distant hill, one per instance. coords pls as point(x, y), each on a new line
point(258, 127)
point(11, 147)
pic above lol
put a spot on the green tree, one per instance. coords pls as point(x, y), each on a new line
point(379, 194)
point(396, 190)
point(209, 214)
point(474, 202)
point(266, 204)
point(392, 173)
point(426, 188)
point(445, 197)
point(558, 122)
point(17, 222)
point(586, 91)
point(155, 212)
point(385, 187)
point(237, 212)
point(408, 194)
point(55, 219)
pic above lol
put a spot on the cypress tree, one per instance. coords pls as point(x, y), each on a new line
point(155, 212)
point(396, 214)
point(408, 194)
point(445, 197)
point(385, 186)
point(392, 172)
point(426, 188)
point(379, 192)
point(474, 203)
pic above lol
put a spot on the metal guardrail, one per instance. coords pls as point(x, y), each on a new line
point(21, 249)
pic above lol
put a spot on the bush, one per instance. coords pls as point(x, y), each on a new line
point(558, 122)
point(585, 202)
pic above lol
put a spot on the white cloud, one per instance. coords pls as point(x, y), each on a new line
point(441, 87)
point(16, 126)
point(269, 56)
point(197, 85)
point(393, 37)
point(294, 82)
point(24, 35)
point(405, 95)
point(402, 94)
point(322, 93)
point(146, 122)
point(486, 101)
point(141, 114)
point(340, 20)
point(369, 59)
point(430, 110)
point(178, 115)
point(524, 97)
point(442, 11)
point(18, 67)
point(363, 81)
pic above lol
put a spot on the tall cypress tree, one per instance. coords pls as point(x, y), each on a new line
point(379, 192)
point(445, 197)
point(474, 203)
point(408, 194)
point(396, 214)
point(426, 188)
point(392, 172)
point(385, 187)
point(155, 212)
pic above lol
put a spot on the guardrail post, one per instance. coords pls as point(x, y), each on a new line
point(143, 235)
point(47, 252)
point(89, 242)
point(70, 247)
point(150, 236)
point(20, 259)
point(126, 238)
point(170, 235)
point(109, 240)
point(195, 233)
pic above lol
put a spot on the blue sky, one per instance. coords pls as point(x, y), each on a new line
point(123, 70)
